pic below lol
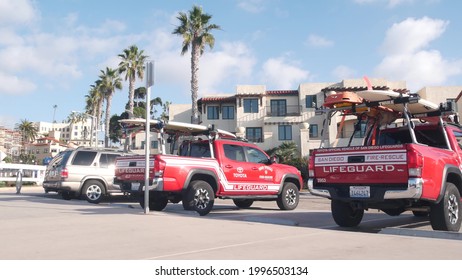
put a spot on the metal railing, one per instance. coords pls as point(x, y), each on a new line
point(283, 111)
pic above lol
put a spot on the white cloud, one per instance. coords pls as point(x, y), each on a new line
point(318, 41)
point(17, 12)
point(411, 35)
point(389, 3)
point(280, 74)
point(13, 85)
point(251, 6)
point(343, 72)
point(234, 62)
point(407, 56)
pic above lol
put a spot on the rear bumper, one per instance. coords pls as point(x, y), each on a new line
point(413, 191)
point(157, 184)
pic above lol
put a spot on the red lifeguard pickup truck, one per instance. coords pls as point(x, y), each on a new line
point(408, 162)
point(202, 170)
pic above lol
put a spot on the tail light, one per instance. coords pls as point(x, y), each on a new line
point(64, 173)
point(415, 163)
point(159, 167)
point(311, 167)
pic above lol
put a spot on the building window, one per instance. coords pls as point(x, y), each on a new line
point(251, 105)
point(311, 101)
point(227, 112)
point(154, 144)
point(313, 130)
point(285, 132)
point(278, 107)
point(254, 134)
point(212, 112)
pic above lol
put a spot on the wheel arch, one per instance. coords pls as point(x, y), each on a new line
point(451, 174)
point(292, 178)
point(86, 179)
point(204, 175)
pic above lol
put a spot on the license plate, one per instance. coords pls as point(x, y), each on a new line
point(135, 186)
point(360, 191)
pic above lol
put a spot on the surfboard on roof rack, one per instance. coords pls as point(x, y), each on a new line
point(172, 127)
point(396, 101)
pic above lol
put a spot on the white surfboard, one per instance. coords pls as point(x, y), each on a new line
point(379, 95)
point(172, 127)
point(382, 96)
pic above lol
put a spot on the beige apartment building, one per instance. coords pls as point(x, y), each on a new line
point(272, 117)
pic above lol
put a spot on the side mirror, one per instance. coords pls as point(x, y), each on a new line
point(274, 159)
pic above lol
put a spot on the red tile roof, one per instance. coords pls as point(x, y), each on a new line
point(282, 92)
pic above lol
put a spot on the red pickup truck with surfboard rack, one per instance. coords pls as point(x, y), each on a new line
point(205, 163)
point(410, 159)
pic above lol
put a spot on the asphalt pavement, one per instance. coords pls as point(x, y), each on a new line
point(39, 226)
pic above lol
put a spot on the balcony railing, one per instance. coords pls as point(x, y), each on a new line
point(280, 111)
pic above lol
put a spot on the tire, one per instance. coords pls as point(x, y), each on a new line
point(157, 202)
point(345, 215)
point(289, 197)
point(67, 195)
point(93, 191)
point(446, 215)
point(185, 204)
point(393, 211)
point(200, 197)
point(243, 203)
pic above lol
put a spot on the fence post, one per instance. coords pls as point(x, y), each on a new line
point(18, 181)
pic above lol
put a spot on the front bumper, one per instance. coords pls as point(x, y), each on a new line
point(413, 191)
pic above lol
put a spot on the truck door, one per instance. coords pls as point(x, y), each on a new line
point(244, 169)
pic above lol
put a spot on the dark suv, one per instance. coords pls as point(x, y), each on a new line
point(86, 172)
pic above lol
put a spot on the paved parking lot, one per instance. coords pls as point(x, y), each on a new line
point(35, 225)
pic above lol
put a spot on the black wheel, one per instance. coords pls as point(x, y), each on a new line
point(157, 202)
point(393, 211)
point(446, 214)
point(289, 197)
point(93, 191)
point(67, 195)
point(185, 204)
point(345, 215)
point(243, 203)
point(200, 197)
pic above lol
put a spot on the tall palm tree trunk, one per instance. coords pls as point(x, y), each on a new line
point(131, 95)
point(195, 55)
point(108, 118)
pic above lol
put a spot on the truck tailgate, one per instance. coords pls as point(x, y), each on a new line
point(361, 165)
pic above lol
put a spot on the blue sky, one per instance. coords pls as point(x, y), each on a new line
point(51, 51)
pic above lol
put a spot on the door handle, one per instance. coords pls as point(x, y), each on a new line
point(254, 168)
point(228, 166)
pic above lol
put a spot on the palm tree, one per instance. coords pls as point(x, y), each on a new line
point(132, 65)
point(110, 81)
point(94, 101)
point(285, 152)
point(28, 131)
point(75, 117)
point(195, 29)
